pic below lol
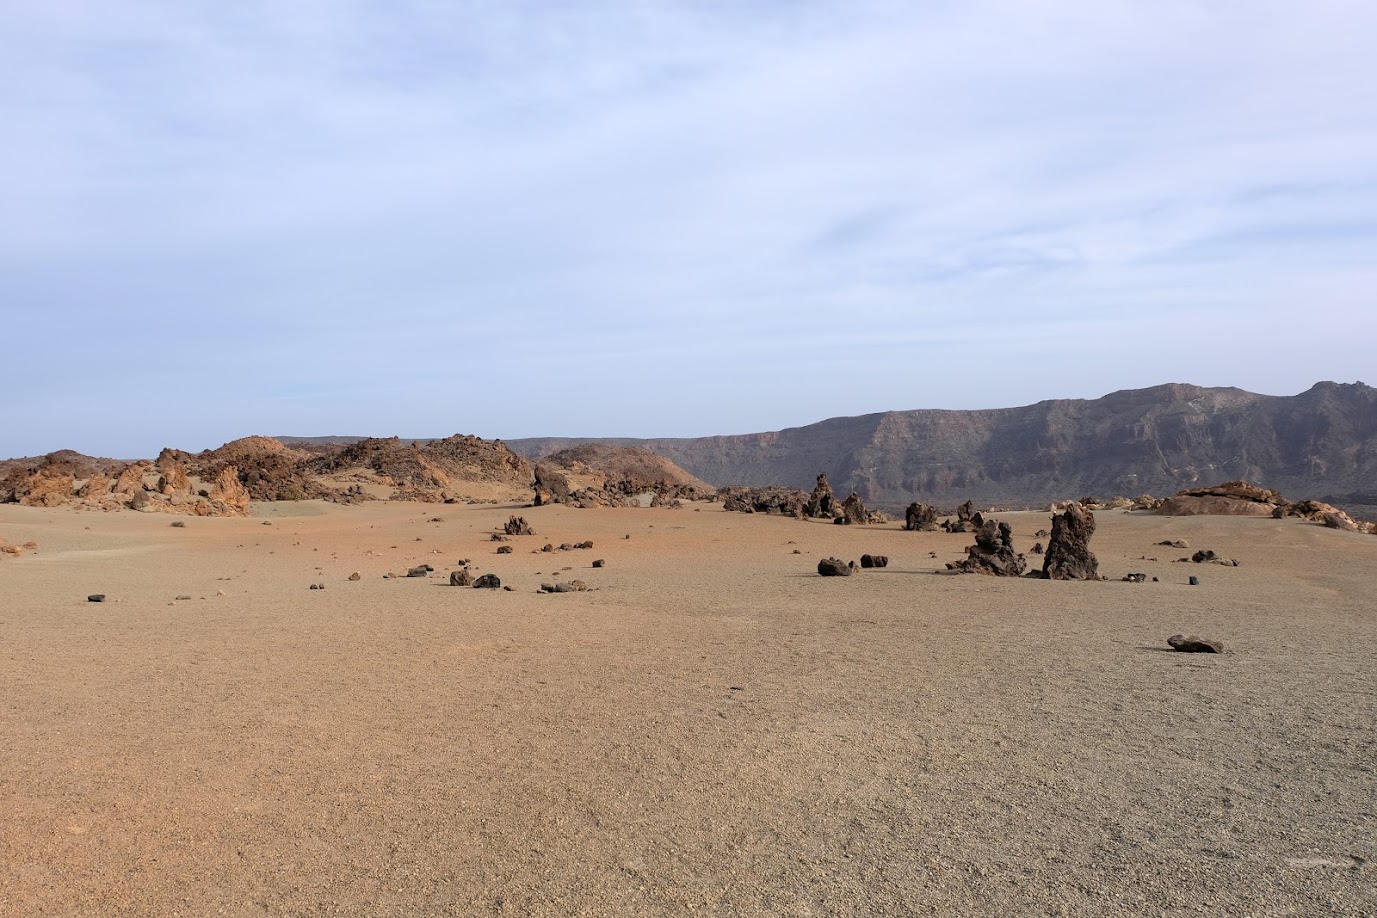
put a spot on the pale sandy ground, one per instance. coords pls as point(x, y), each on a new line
point(714, 730)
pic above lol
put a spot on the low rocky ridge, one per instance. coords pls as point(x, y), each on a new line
point(222, 481)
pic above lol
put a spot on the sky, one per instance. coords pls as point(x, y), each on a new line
point(670, 218)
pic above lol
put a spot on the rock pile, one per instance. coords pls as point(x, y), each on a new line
point(781, 501)
point(822, 505)
point(993, 553)
point(963, 522)
point(852, 511)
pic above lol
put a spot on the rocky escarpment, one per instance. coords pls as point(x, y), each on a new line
point(1158, 440)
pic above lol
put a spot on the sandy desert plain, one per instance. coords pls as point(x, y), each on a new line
point(712, 729)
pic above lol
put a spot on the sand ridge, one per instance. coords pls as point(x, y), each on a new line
point(712, 728)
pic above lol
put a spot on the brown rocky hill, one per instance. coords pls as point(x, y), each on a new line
point(600, 474)
point(1321, 443)
point(456, 468)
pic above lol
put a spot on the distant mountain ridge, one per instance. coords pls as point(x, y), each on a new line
point(1321, 443)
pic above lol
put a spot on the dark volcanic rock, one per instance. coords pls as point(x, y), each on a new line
point(460, 578)
point(487, 582)
point(833, 567)
point(517, 525)
point(1037, 548)
point(1068, 553)
point(920, 518)
point(992, 553)
point(853, 511)
point(874, 561)
point(1192, 644)
point(821, 504)
point(421, 571)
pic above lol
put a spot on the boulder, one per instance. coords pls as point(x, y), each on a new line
point(1068, 551)
point(460, 578)
point(1191, 644)
point(421, 571)
point(920, 518)
point(504, 549)
point(874, 561)
point(487, 582)
point(833, 567)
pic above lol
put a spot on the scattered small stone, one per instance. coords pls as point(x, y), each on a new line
point(796, 552)
point(437, 519)
point(184, 597)
point(497, 537)
point(1191, 644)
point(547, 547)
point(96, 597)
point(267, 522)
point(504, 549)
point(421, 571)
point(874, 561)
point(835, 567)
point(178, 524)
point(599, 563)
point(587, 544)
point(487, 582)
point(356, 576)
point(566, 546)
point(1135, 578)
point(1175, 543)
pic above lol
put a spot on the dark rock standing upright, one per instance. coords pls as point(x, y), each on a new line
point(1068, 551)
point(517, 525)
point(964, 512)
point(920, 518)
point(993, 553)
point(852, 511)
point(822, 504)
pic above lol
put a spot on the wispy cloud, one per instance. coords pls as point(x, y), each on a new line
point(671, 218)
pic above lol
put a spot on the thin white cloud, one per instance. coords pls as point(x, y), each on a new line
point(312, 194)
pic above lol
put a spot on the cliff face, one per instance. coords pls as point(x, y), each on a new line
point(1321, 443)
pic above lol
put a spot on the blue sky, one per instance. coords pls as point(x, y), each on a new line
point(668, 219)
